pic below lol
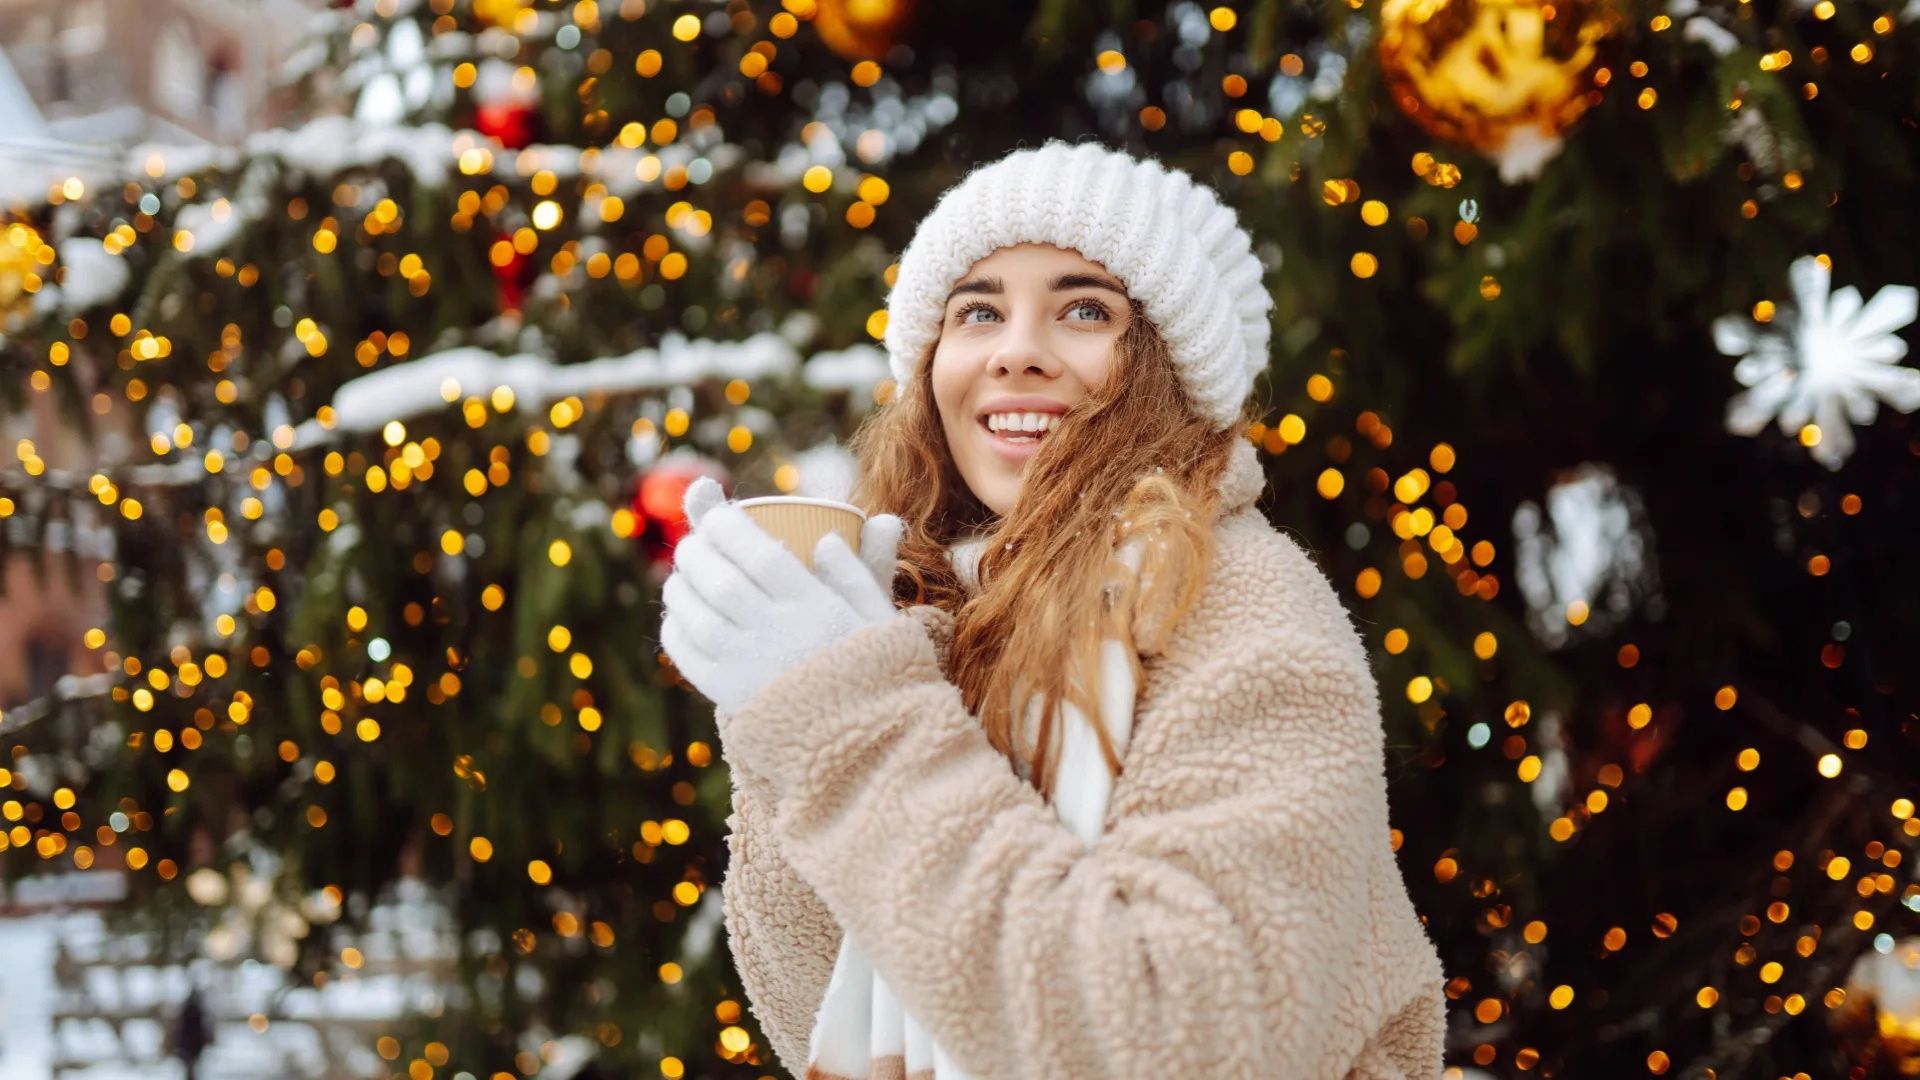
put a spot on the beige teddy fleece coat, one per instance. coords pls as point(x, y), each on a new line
point(1243, 916)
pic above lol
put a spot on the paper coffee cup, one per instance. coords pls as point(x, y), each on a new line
point(799, 522)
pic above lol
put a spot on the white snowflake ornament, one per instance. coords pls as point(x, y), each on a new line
point(1826, 360)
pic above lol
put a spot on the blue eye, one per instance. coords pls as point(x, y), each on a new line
point(1100, 311)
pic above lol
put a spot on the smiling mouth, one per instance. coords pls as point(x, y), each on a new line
point(1023, 438)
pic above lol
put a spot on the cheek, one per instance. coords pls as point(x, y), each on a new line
point(949, 388)
point(1094, 364)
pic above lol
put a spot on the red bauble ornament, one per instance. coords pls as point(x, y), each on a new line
point(1636, 748)
point(504, 108)
point(510, 122)
point(513, 276)
point(660, 522)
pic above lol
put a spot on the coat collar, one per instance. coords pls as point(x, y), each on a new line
point(1244, 479)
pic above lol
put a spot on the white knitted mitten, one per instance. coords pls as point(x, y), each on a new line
point(742, 608)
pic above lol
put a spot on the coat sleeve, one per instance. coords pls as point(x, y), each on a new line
point(781, 935)
point(1226, 933)
point(782, 938)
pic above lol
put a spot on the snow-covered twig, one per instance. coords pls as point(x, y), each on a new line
point(66, 689)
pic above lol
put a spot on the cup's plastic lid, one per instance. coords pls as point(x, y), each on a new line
point(834, 504)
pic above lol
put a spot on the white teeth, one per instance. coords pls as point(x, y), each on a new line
point(1022, 422)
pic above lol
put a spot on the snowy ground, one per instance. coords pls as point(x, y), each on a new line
point(116, 1028)
point(78, 1002)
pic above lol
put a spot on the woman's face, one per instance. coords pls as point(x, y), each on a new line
point(1030, 329)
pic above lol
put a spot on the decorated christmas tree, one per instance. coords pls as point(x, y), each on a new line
point(1585, 316)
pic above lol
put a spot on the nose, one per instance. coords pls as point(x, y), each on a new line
point(1020, 351)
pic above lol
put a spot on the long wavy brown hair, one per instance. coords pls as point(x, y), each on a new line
point(1131, 459)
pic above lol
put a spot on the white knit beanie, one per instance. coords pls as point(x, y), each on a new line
point(1169, 239)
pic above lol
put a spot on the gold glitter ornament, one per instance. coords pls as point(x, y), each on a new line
point(501, 13)
point(862, 29)
point(1507, 77)
point(19, 270)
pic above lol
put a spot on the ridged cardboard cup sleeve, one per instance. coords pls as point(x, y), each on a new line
point(800, 522)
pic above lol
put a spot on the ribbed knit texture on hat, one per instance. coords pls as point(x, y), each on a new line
point(1169, 239)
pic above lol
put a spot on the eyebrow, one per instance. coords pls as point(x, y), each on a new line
point(992, 286)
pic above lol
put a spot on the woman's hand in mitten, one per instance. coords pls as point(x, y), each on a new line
point(742, 609)
point(880, 552)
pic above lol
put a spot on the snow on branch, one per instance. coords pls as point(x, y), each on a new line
point(67, 688)
point(324, 146)
point(430, 383)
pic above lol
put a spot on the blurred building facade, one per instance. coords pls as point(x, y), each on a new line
point(168, 71)
point(81, 83)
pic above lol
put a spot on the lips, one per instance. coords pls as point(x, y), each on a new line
point(1012, 451)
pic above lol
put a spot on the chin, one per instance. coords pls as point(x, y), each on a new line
point(1002, 502)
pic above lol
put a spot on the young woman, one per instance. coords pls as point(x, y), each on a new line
point(1076, 770)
